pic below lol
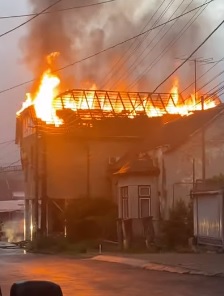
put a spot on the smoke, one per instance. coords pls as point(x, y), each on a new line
point(14, 230)
point(78, 33)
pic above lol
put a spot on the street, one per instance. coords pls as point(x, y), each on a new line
point(92, 278)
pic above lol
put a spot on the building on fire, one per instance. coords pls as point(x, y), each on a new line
point(72, 153)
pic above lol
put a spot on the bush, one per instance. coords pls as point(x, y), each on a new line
point(49, 243)
point(179, 227)
point(89, 219)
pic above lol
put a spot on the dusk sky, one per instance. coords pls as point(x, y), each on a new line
point(14, 70)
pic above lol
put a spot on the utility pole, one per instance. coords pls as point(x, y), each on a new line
point(36, 180)
point(196, 61)
point(43, 186)
point(88, 171)
point(203, 151)
point(195, 79)
point(203, 160)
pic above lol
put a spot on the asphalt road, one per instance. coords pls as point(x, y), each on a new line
point(84, 277)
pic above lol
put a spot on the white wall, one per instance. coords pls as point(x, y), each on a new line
point(133, 181)
point(178, 163)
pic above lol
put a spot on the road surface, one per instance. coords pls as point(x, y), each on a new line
point(84, 277)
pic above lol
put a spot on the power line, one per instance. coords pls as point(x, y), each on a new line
point(177, 68)
point(6, 142)
point(32, 18)
point(215, 90)
point(109, 48)
point(136, 60)
point(169, 45)
point(211, 80)
point(56, 11)
point(119, 61)
point(12, 163)
point(215, 64)
point(134, 65)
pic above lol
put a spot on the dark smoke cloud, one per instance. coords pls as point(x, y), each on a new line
point(46, 34)
point(82, 32)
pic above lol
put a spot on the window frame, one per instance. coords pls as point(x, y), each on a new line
point(144, 197)
point(144, 186)
point(124, 200)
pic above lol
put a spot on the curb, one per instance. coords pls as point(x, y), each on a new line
point(153, 266)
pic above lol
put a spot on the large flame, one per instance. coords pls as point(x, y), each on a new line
point(46, 102)
point(43, 98)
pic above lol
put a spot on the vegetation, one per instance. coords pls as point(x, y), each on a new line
point(217, 179)
point(90, 222)
point(179, 227)
point(91, 219)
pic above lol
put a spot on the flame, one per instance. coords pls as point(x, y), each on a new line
point(193, 103)
point(43, 99)
point(174, 92)
point(46, 101)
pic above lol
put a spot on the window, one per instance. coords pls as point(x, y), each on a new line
point(124, 202)
point(144, 191)
point(124, 192)
point(144, 195)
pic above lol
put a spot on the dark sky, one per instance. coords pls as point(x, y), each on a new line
point(14, 71)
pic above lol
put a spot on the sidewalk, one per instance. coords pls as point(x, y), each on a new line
point(209, 264)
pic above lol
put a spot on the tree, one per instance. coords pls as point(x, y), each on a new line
point(179, 227)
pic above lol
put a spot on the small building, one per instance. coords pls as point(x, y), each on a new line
point(182, 151)
point(191, 148)
point(208, 209)
point(12, 198)
point(137, 188)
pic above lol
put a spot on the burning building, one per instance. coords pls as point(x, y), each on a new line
point(70, 139)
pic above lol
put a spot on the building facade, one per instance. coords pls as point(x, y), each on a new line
point(188, 149)
point(62, 164)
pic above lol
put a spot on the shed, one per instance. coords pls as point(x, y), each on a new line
point(208, 214)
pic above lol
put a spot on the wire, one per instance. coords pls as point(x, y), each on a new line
point(169, 45)
point(213, 91)
point(111, 73)
point(14, 162)
point(215, 64)
point(108, 48)
point(32, 18)
point(135, 61)
point(6, 142)
point(56, 11)
point(184, 62)
point(134, 65)
point(211, 80)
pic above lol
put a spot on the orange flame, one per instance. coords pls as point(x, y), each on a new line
point(44, 97)
point(46, 103)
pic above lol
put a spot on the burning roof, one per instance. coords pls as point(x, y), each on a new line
point(48, 101)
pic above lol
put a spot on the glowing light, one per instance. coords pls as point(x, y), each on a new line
point(46, 102)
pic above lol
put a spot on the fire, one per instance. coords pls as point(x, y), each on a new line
point(43, 99)
point(174, 92)
point(193, 103)
point(47, 100)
